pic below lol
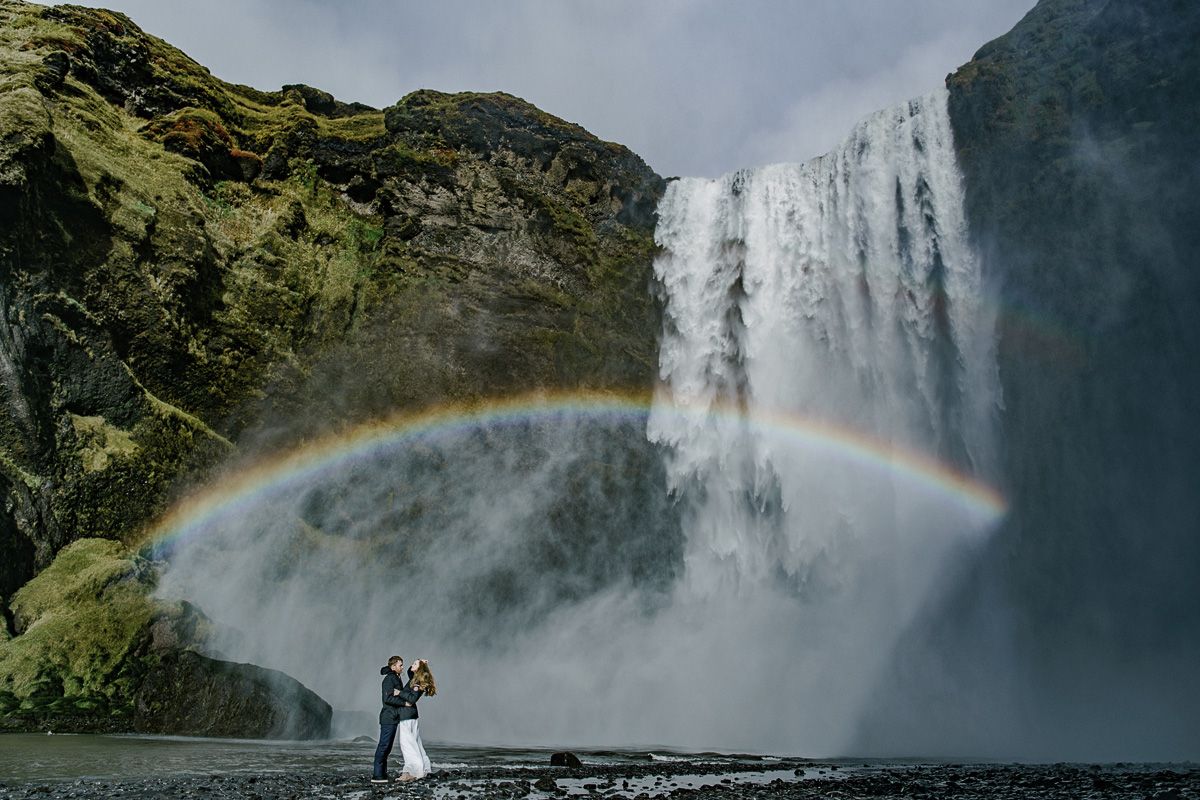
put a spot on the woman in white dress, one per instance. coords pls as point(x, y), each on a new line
point(416, 762)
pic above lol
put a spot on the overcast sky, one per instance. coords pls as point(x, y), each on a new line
point(696, 87)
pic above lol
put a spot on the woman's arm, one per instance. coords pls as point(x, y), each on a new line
point(408, 695)
point(394, 695)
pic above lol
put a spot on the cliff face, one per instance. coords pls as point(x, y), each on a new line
point(95, 653)
point(181, 258)
point(190, 270)
point(1077, 136)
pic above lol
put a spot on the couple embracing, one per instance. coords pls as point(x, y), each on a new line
point(399, 718)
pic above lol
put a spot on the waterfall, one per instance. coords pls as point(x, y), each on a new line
point(732, 571)
point(826, 324)
point(842, 291)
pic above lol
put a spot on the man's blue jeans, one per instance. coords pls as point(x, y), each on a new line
point(387, 736)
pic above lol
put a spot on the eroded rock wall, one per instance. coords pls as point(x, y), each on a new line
point(1076, 133)
point(181, 259)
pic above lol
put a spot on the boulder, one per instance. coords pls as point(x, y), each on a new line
point(55, 67)
point(190, 694)
point(565, 759)
point(94, 651)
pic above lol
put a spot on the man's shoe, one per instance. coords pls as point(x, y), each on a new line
point(381, 780)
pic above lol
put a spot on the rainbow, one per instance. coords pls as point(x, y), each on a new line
point(242, 488)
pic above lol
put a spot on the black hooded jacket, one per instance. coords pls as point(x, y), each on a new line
point(397, 707)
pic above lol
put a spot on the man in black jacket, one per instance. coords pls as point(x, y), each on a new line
point(395, 698)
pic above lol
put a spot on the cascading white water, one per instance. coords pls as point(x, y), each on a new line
point(822, 318)
point(825, 325)
point(842, 290)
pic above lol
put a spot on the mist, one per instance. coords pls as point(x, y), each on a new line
point(461, 549)
point(709, 577)
point(731, 570)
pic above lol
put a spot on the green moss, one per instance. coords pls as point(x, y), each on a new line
point(79, 574)
point(189, 130)
point(101, 442)
point(82, 618)
point(362, 127)
point(129, 176)
point(169, 412)
point(13, 470)
point(198, 134)
point(450, 105)
point(401, 158)
point(570, 224)
point(24, 124)
point(363, 236)
point(303, 173)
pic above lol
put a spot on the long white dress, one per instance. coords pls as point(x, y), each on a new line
point(416, 762)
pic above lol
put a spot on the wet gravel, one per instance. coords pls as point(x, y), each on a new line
point(783, 779)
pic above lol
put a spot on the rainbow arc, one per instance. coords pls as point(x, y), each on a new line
point(241, 489)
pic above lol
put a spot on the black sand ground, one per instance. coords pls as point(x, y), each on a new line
point(784, 779)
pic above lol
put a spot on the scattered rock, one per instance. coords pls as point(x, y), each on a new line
point(55, 67)
point(249, 165)
point(565, 760)
point(734, 780)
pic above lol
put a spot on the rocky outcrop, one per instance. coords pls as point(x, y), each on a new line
point(93, 652)
point(189, 694)
point(182, 260)
point(1076, 133)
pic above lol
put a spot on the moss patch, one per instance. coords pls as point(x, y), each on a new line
point(101, 442)
point(81, 621)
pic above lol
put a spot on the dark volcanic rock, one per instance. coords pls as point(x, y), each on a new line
point(993, 782)
point(1077, 136)
point(190, 694)
point(136, 673)
point(491, 124)
point(55, 67)
point(565, 759)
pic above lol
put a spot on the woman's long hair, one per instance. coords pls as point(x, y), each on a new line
point(423, 678)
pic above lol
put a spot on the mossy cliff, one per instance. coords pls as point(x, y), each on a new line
point(1077, 136)
point(95, 653)
point(181, 258)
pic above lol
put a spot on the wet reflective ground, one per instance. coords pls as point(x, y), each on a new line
point(58, 767)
